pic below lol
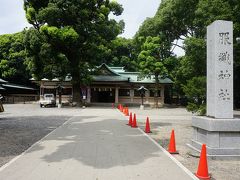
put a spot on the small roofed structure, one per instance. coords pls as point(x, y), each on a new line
point(111, 85)
point(14, 93)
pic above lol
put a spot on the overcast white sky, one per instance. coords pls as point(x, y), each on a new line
point(135, 12)
point(12, 15)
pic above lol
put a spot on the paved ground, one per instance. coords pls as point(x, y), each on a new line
point(94, 144)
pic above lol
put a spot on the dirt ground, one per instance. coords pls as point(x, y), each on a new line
point(164, 120)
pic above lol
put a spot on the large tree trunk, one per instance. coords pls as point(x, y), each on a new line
point(76, 93)
point(76, 80)
point(156, 90)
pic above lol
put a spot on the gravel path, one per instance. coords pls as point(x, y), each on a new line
point(20, 128)
point(18, 133)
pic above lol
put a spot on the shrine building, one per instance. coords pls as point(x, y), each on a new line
point(111, 85)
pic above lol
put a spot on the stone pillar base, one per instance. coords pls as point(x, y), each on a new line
point(222, 136)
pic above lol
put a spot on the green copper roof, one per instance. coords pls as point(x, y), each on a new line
point(118, 74)
point(106, 70)
point(103, 78)
point(118, 69)
point(135, 77)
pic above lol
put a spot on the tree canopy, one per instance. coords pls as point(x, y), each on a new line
point(74, 32)
point(12, 58)
point(73, 36)
point(187, 20)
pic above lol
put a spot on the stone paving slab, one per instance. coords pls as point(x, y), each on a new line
point(95, 145)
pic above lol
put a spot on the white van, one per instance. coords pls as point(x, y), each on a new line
point(48, 100)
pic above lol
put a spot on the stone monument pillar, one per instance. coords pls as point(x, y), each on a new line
point(218, 130)
point(220, 70)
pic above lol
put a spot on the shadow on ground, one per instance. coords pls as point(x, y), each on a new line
point(101, 144)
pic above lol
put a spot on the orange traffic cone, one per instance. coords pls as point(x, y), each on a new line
point(130, 120)
point(147, 127)
point(172, 144)
point(202, 172)
point(127, 112)
point(134, 123)
point(121, 108)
